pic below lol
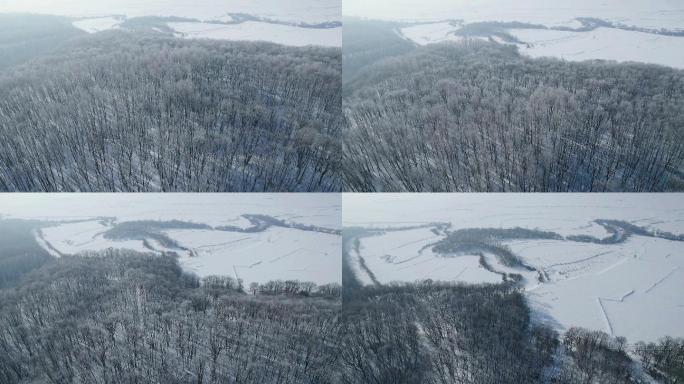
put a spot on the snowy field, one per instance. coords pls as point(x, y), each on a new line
point(604, 44)
point(566, 214)
point(98, 24)
point(257, 31)
point(274, 20)
point(224, 246)
point(431, 33)
point(275, 254)
point(81, 236)
point(599, 44)
point(406, 256)
point(309, 11)
point(440, 21)
point(654, 14)
point(614, 287)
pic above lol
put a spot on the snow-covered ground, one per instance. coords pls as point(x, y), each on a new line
point(98, 24)
point(277, 252)
point(632, 288)
point(310, 11)
point(601, 43)
point(551, 13)
point(218, 209)
point(604, 44)
point(431, 33)
point(565, 214)
point(95, 16)
point(258, 31)
point(407, 256)
point(81, 236)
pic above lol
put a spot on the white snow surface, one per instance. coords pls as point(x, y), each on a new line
point(276, 253)
point(258, 31)
point(640, 13)
point(403, 256)
point(429, 33)
point(215, 209)
point(309, 11)
point(635, 291)
point(604, 44)
point(97, 24)
point(100, 15)
point(83, 236)
point(630, 289)
point(566, 214)
point(600, 44)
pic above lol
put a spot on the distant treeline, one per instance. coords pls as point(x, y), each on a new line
point(478, 116)
point(120, 111)
point(273, 288)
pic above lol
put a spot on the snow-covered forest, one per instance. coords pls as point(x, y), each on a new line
point(479, 116)
point(341, 191)
point(435, 332)
point(125, 317)
point(212, 296)
point(474, 287)
point(139, 111)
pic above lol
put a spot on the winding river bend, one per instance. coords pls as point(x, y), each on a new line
point(491, 241)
